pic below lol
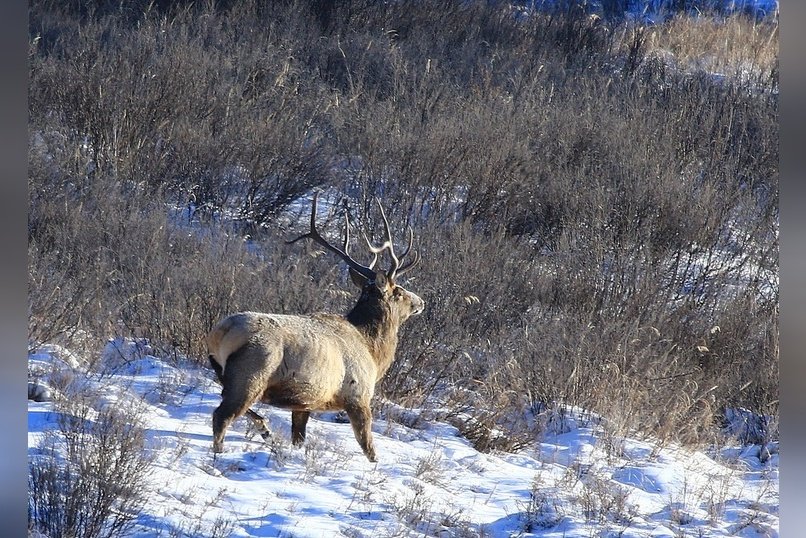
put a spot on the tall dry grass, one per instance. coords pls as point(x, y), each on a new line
point(736, 46)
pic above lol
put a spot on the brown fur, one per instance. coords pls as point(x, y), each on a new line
point(309, 362)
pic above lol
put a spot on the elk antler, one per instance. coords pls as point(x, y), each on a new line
point(363, 270)
point(395, 269)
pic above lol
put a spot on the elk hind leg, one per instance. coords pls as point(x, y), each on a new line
point(260, 424)
point(361, 420)
point(229, 410)
point(239, 393)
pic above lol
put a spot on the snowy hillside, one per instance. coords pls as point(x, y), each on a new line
point(574, 481)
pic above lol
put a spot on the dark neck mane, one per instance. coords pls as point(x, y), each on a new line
point(374, 319)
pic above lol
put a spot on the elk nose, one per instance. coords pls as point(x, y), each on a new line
point(419, 306)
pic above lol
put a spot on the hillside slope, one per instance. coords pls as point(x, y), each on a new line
point(574, 481)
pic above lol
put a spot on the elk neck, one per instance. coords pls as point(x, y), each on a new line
point(375, 320)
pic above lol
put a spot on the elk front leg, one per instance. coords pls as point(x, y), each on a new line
point(361, 420)
point(299, 419)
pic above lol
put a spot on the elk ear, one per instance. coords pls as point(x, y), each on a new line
point(381, 281)
point(357, 278)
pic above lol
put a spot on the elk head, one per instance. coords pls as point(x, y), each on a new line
point(379, 289)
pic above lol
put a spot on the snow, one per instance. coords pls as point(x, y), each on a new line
point(657, 10)
point(575, 480)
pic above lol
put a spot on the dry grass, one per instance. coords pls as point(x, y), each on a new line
point(734, 46)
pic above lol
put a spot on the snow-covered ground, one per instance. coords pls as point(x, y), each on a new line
point(575, 480)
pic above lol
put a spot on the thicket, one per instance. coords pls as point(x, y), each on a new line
point(596, 208)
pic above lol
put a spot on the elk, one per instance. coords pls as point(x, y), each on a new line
point(315, 362)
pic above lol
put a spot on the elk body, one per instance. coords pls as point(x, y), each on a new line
point(315, 362)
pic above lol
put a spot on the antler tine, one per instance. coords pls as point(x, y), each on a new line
point(408, 248)
point(399, 268)
point(405, 267)
point(316, 237)
point(414, 261)
point(347, 241)
point(374, 260)
point(309, 235)
point(387, 244)
point(346, 245)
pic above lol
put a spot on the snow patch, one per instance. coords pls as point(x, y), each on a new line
point(429, 480)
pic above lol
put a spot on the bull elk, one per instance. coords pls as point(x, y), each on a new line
point(320, 361)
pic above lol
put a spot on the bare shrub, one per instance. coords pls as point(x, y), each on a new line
point(168, 122)
point(413, 507)
point(540, 511)
point(90, 476)
point(430, 469)
point(221, 527)
point(322, 458)
point(602, 502)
